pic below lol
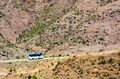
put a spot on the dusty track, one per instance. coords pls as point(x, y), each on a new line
point(20, 60)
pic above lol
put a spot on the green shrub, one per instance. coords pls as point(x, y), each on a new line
point(17, 57)
point(110, 61)
point(102, 62)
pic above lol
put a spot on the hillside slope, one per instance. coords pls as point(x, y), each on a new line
point(91, 66)
point(19, 17)
point(104, 65)
point(89, 25)
point(9, 50)
point(68, 26)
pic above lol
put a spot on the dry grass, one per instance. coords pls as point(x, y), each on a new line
point(42, 69)
point(102, 65)
point(89, 66)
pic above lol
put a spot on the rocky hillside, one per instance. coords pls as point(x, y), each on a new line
point(9, 50)
point(89, 25)
point(89, 67)
point(104, 65)
point(17, 16)
point(62, 25)
point(27, 16)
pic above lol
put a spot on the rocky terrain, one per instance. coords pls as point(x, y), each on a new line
point(91, 66)
point(68, 26)
point(10, 51)
point(87, 25)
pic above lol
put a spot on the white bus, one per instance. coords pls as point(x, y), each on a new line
point(35, 56)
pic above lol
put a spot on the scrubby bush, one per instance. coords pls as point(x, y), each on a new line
point(102, 62)
point(34, 77)
point(12, 69)
point(29, 77)
point(17, 57)
point(110, 61)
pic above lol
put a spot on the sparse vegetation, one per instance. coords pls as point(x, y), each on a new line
point(12, 70)
point(36, 30)
point(110, 61)
point(48, 24)
point(61, 28)
point(88, 66)
point(32, 77)
point(102, 62)
point(97, 65)
point(17, 57)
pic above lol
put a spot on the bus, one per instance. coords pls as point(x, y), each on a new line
point(35, 56)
